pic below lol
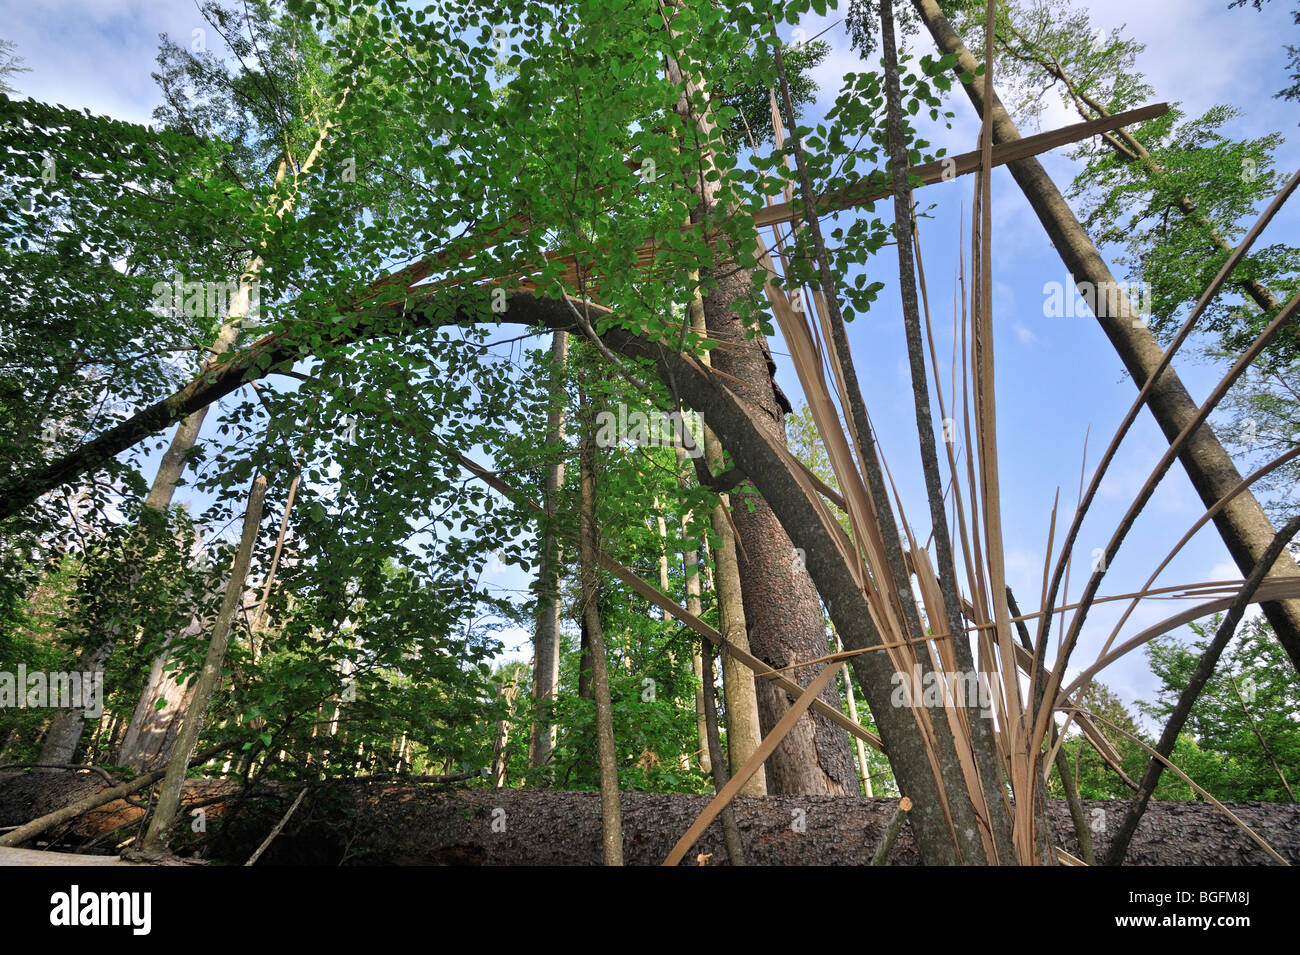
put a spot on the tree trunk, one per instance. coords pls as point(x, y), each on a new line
point(739, 688)
point(152, 732)
point(860, 748)
point(584, 742)
point(499, 760)
point(1242, 524)
point(783, 614)
point(546, 642)
point(661, 525)
point(65, 731)
point(713, 746)
point(691, 571)
point(30, 830)
point(153, 845)
point(174, 459)
point(64, 735)
point(611, 821)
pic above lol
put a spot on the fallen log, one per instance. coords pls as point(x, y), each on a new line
point(35, 827)
point(30, 857)
point(563, 828)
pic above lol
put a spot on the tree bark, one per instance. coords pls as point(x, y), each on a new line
point(383, 823)
point(546, 641)
point(153, 845)
point(783, 615)
point(611, 821)
point(152, 732)
point(691, 571)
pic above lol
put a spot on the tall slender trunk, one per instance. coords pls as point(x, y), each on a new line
point(661, 525)
point(258, 619)
point(860, 748)
point(713, 744)
point(1242, 524)
point(691, 571)
point(739, 688)
point(744, 720)
point(169, 794)
point(499, 756)
point(589, 546)
point(584, 743)
point(155, 723)
point(981, 731)
point(546, 641)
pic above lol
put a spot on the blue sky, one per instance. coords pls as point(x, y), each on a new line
point(1056, 376)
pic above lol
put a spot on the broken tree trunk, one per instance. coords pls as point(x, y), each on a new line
point(33, 828)
point(152, 731)
point(1242, 524)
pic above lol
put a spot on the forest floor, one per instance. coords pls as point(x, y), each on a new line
point(361, 823)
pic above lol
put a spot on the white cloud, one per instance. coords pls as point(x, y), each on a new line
point(1224, 570)
point(1024, 335)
